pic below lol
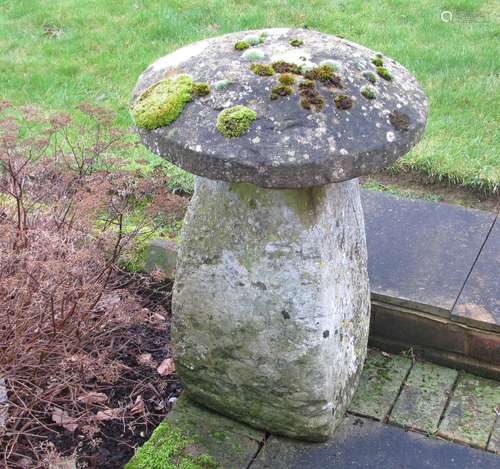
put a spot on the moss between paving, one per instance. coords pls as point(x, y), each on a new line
point(195, 438)
point(471, 413)
point(379, 385)
point(423, 398)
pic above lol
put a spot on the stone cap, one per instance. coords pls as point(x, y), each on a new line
point(316, 108)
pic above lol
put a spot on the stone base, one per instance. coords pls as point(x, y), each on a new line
point(271, 304)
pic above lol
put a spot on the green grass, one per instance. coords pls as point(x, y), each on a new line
point(95, 50)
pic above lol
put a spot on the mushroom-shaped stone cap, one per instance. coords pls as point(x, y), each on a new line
point(284, 108)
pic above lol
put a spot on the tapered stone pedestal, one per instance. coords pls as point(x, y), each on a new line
point(271, 301)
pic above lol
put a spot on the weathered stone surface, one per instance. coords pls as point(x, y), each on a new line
point(420, 253)
point(286, 146)
point(379, 385)
point(191, 434)
point(364, 444)
point(271, 304)
point(423, 398)
point(161, 256)
point(479, 302)
point(471, 413)
point(494, 443)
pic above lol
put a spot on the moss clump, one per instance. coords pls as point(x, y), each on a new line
point(280, 90)
point(222, 84)
point(370, 76)
point(377, 61)
point(252, 39)
point(263, 70)
point(251, 55)
point(281, 66)
point(331, 63)
point(310, 99)
point(235, 121)
point(384, 73)
point(241, 45)
point(326, 74)
point(287, 79)
point(296, 42)
point(399, 120)
point(163, 102)
point(201, 89)
point(168, 448)
point(368, 92)
point(343, 101)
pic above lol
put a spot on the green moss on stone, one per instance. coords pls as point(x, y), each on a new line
point(241, 45)
point(168, 448)
point(222, 84)
point(263, 70)
point(368, 92)
point(280, 90)
point(325, 74)
point(280, 66)
point(235, 121)
point(343, 101)
point(370, 76)
point(201, 89)
point(162, 102)
point(384, 73)
point(377, 61)
point(287, 79)
point(254, 54)
point(296, 42)
point(252, 39)
point(310, 98)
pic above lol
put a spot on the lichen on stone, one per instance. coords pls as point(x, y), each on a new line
point(286, 79)
point(296, 42)
point(368, 92)
point(343, 101)
point(235, 121)
point(201, 89)
point(253, 54)
point(370, 76)
point(162, 102)
point(384, 73)
point(241, 45)
point(263, 70)
point(280, 66)
point(399, 120)
point(280, 90)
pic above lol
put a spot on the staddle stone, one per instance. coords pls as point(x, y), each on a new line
point(271, 299)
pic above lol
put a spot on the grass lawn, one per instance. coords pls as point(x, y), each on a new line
point(56, 53)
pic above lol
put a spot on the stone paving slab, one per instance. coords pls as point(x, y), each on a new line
point(365, 444)
point(494, 443)
point(193, 435)
point(423, 398)
point(479, 302)
point(471, 412)
point(379, 385)
point(420, 253)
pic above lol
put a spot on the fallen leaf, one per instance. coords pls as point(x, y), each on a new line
point(61, 417)
point(108, 414)
point(138, 407)
point(387, 355)
point(93, 398)
point(145, 359)
point(167, 367)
